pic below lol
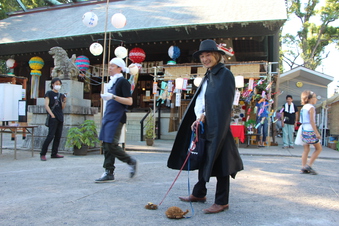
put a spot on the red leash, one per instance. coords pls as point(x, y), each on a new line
point(193, 146)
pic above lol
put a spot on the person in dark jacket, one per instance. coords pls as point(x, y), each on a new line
point(289, 120)
point(118, 97)
point(55, 102)
point(212, 105)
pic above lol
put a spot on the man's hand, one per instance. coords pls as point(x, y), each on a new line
point(201, 119)
point(106, 96)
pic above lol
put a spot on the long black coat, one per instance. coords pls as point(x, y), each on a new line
point(221, 154)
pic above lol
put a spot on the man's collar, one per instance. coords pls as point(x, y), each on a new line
point(216, 68)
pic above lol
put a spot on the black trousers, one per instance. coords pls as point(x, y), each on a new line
point(222, 189)
point(113, 150)
point(54, 132)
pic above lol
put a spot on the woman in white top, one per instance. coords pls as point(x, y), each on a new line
point(310, 134)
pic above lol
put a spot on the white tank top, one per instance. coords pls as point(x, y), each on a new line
point(305, 117)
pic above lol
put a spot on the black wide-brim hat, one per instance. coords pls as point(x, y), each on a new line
point(207, 46)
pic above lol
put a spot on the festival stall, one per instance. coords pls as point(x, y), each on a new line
point(254, 97)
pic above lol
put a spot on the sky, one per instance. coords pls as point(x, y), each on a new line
point(329, 65)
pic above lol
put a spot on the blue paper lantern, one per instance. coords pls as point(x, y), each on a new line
point(174, 52)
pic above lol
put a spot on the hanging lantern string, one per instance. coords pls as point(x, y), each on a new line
point(95, 83)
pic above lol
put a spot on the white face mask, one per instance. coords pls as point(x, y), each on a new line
point(57, 87)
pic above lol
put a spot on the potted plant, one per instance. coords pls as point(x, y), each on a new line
point(250, 125)
point(82, 137)
point(149, 129)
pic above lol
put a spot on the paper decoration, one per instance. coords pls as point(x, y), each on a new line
point(170, 86)
point(90, 19)
point(173, 52)
point(184, 86)
point(35, 63)
point(228, 51)
point(10, 63)
point(197, 81)
point(120, 52)
point(179, 83)
point(137, 55)
point(133, 69)
point(134, 72)
point(155, 87)
point(250, 84)
point(236, 97)
point(82, 62)
point(239, 81)
point(96, 49)
point(118, 20)
point(177, 99)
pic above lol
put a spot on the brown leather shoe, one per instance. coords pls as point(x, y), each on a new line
point(192, 198)
point(215, 208)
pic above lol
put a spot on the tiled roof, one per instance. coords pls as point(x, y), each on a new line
point(141, 15)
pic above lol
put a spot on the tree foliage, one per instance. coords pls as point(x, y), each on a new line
point(310, 41)
point(8, 6)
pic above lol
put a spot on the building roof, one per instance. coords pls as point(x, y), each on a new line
point(329, 101)
point(147, 20)
point(307, 74)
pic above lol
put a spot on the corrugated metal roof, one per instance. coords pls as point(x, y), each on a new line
point(141, 15)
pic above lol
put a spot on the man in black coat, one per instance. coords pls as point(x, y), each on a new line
point(212, 105)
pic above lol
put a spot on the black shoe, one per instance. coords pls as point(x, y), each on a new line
point(132, 167)
point(311, 171)
point(107, 176)
point(304, 171)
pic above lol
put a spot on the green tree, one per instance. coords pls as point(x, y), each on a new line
point(310, 41)
point(7, 6)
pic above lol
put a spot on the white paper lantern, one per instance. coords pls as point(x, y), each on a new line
point(90, 19)
point(120, 52)
point(197, 81)
point(118, 20)
point(96, 49)
point(133, 69)
point(179, 83)
point(239, 81)
point(10, 63)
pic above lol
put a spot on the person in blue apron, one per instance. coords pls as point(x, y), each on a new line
point(117, 97)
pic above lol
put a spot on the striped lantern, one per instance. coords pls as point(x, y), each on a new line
point(82, 62)
point(36, 63)
point(36, 72)
point(137, 55)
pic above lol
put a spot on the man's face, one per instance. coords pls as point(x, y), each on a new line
point(113, 69)
point(289, 100)
point(207, 59)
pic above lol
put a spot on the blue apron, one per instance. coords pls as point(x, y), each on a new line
point(113, 114)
